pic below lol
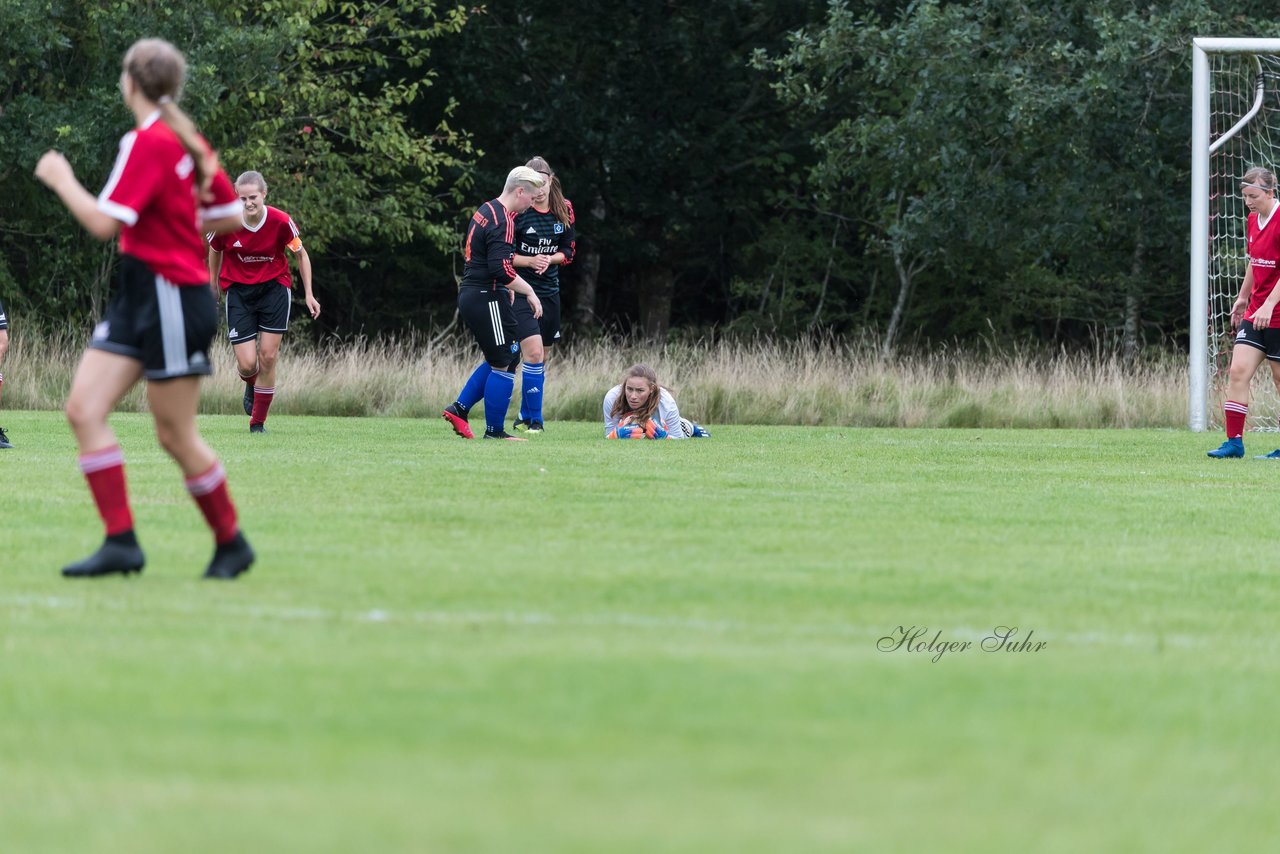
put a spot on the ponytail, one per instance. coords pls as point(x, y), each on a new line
point(159, 69)
point(203, 159)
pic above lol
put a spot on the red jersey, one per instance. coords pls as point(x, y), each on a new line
point(1264, 253)
point(253, 254)
point(151, 191)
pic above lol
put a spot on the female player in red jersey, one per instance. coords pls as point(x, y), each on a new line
point(4, 347)
point(1258, 332)
point(251, 266)
point(164, 192)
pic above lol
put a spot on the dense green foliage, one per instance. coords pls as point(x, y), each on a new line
point(676, 651)
point(916, 170)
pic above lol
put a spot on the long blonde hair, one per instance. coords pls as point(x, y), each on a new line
point(159, 70)
point(555, 196)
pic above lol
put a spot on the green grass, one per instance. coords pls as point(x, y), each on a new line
point(586, 646)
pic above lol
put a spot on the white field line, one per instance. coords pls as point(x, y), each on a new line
point(832, 631)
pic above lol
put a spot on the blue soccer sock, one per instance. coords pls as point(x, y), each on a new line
point(473, 391)
point(532, 382)
point(497, 399)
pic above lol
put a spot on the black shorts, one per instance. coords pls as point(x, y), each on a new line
point(548, 325)
point(166, 327)
point(257, 308)
point(488, 315)
point(1267, 340)
point(4, 321)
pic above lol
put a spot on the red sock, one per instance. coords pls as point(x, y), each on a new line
point(211, 493)
point(1234, 414)
point(104, 470)
point(249, 379)
point(262, 398)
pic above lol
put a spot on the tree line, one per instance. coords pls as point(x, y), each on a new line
point(918, 172)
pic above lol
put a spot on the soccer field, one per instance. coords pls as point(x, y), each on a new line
point(587, 646)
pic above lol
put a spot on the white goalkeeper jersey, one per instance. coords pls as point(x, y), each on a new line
point(668, 413)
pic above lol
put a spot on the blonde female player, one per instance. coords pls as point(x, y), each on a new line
point(1258, 331)
point(164, 192)
point(545, 241)
point(251, 266)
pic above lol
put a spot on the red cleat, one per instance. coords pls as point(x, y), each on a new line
point(458, 423)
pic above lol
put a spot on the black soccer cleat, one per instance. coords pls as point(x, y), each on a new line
point(4, 440)
point(230, 559)
point(521, 424)
point(113, 556)
point(503, 434)
point(535, 426)
point(257, 428)
point(248, 399)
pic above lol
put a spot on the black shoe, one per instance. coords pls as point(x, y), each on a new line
point(4, 440)
point(230, 559)
point(503, 434)
point(112, 556)
point(248, 399)
point(257, 428)
point(535, 426)
point(456, 414)
point(521, 424)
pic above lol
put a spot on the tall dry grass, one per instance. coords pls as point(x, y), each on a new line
point(809, 382)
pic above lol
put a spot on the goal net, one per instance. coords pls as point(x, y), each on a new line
point(1235, 126)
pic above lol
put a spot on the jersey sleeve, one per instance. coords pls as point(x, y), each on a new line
point(670, 415)
point(499, 249)
point(610, 397)
point(225, 202)
point(569, 240)
point(133, 182)
point(290, 236)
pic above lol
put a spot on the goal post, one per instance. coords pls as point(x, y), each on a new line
point(1235, 125)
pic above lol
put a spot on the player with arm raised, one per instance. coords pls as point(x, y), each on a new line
point(489, 284)
point(250, 264)
point(163, 193)
point(1258, 330)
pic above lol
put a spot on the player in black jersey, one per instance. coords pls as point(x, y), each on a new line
point(544, 242)
point(489, 283)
